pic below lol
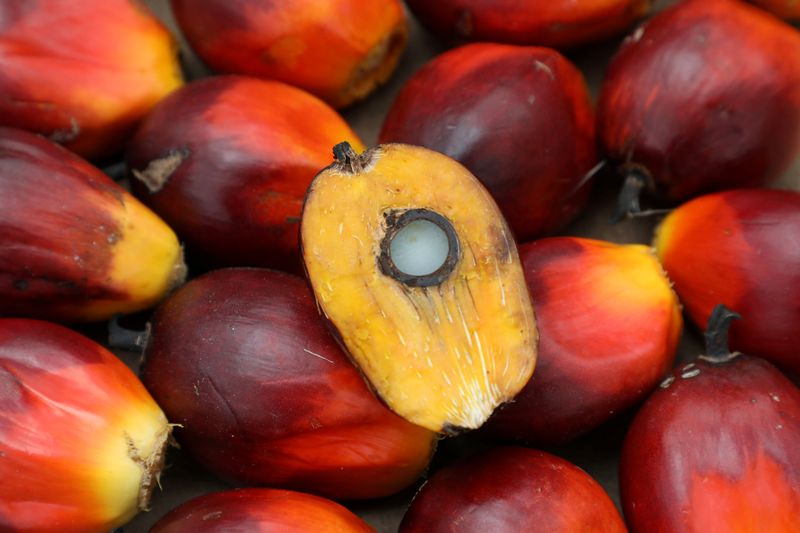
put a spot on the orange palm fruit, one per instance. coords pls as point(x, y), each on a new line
point(414, 266)
point(83, 73)
point(261, 511)
point(226, 161)
point(338, 50)
point(740, 248)
point(609, 325)
point(555, 23)
point(74, 245)
point(81, 441)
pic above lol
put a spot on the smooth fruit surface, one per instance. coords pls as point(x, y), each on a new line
point(81, 441)
point(740, 248)
point(227, 161)
point(715, 449)
point(704, 96)
point(457, 103)
point(261, 511)
point(83, 73)
point(609, 325)
point(74, 245)
point(556, 23)
point(241, 359)
point(508, 490)
point(442, 349)
point(339, 51)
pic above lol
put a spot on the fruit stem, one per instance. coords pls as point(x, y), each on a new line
point(347, 160)
point(126, 339)
point(636, 179)
point(716, 334)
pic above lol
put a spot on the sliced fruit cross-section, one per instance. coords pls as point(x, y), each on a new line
point(445, 341)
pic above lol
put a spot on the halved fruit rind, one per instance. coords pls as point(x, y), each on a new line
point(442, 356)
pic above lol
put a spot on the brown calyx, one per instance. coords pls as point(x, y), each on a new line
point(152, 465)
point(158, 171)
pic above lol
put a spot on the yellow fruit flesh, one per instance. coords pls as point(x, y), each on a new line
point(442, 356)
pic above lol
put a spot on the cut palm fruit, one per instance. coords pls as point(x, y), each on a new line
point(414, 266)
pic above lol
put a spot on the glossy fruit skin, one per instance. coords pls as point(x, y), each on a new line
point(508, 490)
point(74, 245)
point(339, 51)
point(740, 248)
point(705, 96)
point(609, 327)
point(715, 450)
point(785, 9)
point(245, 152)
point(81, 440)
point(556, 23)
point(261, 511)
point(241, 359)
point(457, 103)
point(83, 73)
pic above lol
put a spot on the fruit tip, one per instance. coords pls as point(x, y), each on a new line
point(151, 466)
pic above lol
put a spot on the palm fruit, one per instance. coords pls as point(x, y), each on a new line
point(82, 443)
point(74, 245)
point(416, 270)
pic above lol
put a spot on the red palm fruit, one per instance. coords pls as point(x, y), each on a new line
point(537, 169)
point(508, 490)
point(227, 161)
point(74, 245)
point(241, 359)
point(703, 97)
point(557, 23)
point(740, 248)
point(609, 326)
point(83, 73)
point(715, 448)
point(786, 9)
point(261, 511)
point(339, 51)
point(81, 441)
